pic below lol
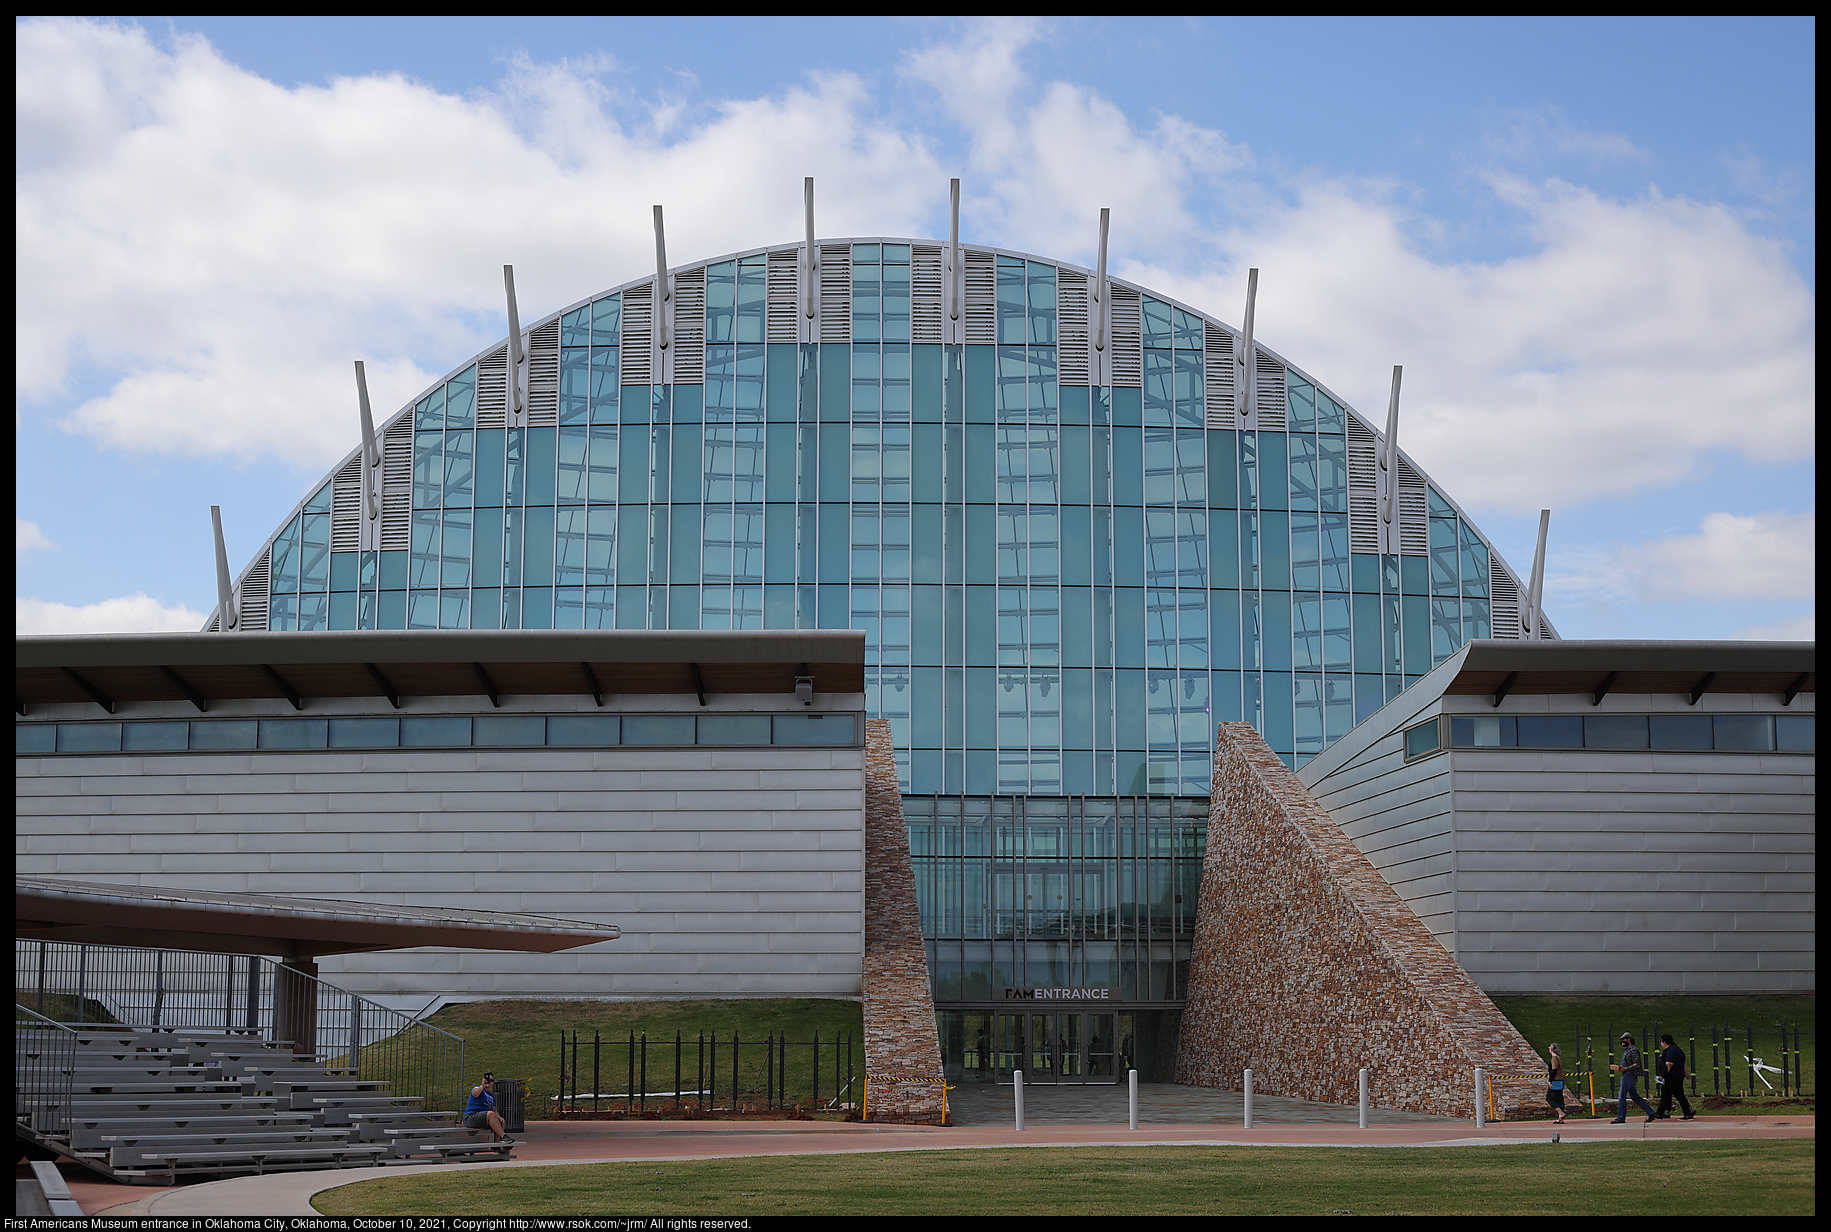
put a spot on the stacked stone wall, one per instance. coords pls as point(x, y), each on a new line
point(902, 1048)
point(1308, 966)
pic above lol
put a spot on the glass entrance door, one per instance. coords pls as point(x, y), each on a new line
point(1055, 1047)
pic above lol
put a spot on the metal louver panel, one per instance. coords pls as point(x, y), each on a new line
point(1128, 338)
point(981, 298)
point(689, 337)
point(1268, 392)
point(543, 375)
point(346, 507)
point(924, 294)
point(253, 599)
point(836, 293)
point(397, 485)
point(1363, 488)
point(492, 394)
point(1504, 608)
point(1071, 324)
point(637, 352)
point(1217, 376)
point(1414, 512)
point(783, 292)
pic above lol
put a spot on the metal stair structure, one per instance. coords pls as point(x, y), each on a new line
point(151, 1106)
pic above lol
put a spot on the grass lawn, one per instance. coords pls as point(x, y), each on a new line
point(1645, 1178)
point(1689, 1018)
point(521, 1039)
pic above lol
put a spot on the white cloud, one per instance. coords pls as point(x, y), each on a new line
point(1762, 556)
point(1800, 628)
point(224, 246)
point(136, 613)
point(29, 538)
point(1548, 131)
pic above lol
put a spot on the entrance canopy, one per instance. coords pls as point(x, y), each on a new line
point(151, 917)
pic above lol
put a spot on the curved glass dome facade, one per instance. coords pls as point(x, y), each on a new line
point(1072, 550)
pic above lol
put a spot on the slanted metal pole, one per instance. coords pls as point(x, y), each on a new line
point(1389, 457)
point(1248, 1119)
point(516, 356)
point(371, 454)
point(228, 617)
point(807, 283)
point(663, 293)
point(1535, 590)
point(1132, 1079)
point(1363, 1097)
point(1247, 367)
point(1106, 218)
point(1017, 1090)
point(953, 249)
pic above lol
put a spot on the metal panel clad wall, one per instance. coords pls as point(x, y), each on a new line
point(1635, 872)
point(731, 871)
point(1399, 816)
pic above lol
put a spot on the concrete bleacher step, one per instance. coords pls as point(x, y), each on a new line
point(131, 1152)
point(89, 1132)
point(110, 1106)
point(258, 1160)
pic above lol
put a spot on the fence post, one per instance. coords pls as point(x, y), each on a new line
point(1248, 1121)
point(1750, 1027)
point(1363, 1078)
point(1017, 1092)
point(711, 1082)
point(82, 983)
point(1131, 1078)
point(734, 1056)
point(597, 1071)
point(642, 1098)
point(769, 1069)
point(782, 1072)
point(629, 1075)
point(699, 1083)
point(1481, 1107)
point(676, 1071)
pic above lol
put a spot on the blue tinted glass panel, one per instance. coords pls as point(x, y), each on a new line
point(583, 730)
point(1615, 731)
point(151, 737)
point(1796, 733)
point(1680, 731)
point(294, 733)
point(813, 729)
point(224, 734)
point(88, 737)
point(435, 731)
point(365, 733)
point(1750, 732)
point(508, 729)
point(658, 729)
point(461, 400)
point(1550, 731)
point(1483, 732)
point(605, 320)
point(734, 729)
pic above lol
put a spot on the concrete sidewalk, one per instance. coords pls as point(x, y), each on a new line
point(554, 1142)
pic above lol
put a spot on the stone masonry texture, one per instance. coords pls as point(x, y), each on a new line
point(1308, 966)
point(902, 1049)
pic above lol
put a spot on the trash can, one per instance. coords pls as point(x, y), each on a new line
point(511, 1094)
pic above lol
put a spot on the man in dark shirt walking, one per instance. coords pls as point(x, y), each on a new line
point(1671, 1073)
point(1629, 1069)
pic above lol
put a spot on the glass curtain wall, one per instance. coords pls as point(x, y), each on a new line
point(1063, 589)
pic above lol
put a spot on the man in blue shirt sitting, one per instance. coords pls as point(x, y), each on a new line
point(480, 1112)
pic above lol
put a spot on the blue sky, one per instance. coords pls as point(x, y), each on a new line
point(1590, 242)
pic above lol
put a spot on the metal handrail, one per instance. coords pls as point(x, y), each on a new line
point(39, 1076)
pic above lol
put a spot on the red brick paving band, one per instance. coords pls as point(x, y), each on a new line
point(1307, 965)
point(902, 1046)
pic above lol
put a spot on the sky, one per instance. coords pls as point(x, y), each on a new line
point(1589, 242)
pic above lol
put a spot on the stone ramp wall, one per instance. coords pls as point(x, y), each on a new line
point(902, 1047)
point(1307, 965)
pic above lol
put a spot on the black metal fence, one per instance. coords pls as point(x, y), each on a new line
point(44, 1070)
point(1748, 1060)
point(706, 1074)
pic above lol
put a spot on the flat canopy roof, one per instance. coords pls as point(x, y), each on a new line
point(1602, 667)
point(152, 917)
point(205, 667)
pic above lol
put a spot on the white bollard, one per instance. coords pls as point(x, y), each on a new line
point(1248, 1124)
point(1017, 1087)
point(1133, 1078)
point(1481, 1108)
point(1363, 1097)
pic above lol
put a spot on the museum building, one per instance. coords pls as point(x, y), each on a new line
point(1076, 523)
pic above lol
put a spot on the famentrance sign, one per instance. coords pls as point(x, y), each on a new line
point(1058, 994)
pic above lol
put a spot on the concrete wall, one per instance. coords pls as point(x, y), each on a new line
point(731, 871)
